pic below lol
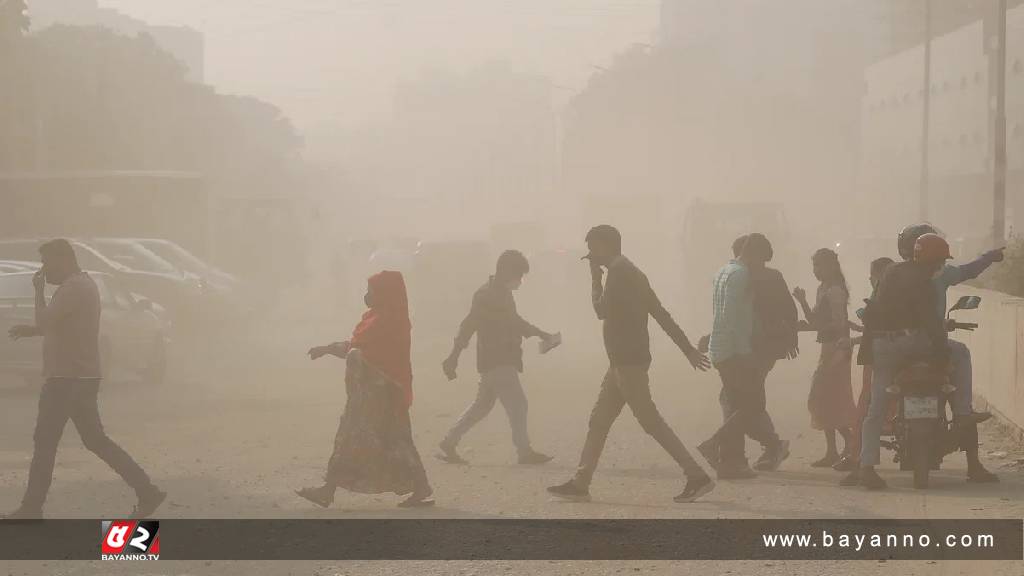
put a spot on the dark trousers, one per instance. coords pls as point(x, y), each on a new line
point(75, 399)
point(744, 408)
point(622, 386)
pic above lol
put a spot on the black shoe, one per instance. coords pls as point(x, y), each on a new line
point(25, 513)
point(148, 503)
point(980, 475)
point(535, 458)
point(709, 450)
point(773, 457)
point(570, 491)
point(448, 454)
point(851, 479)
point(736, 473)
point(695, 488)
point(871, 480)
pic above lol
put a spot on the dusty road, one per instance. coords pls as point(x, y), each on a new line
point(236, 445)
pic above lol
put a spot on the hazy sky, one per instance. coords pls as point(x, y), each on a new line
point(337, 60)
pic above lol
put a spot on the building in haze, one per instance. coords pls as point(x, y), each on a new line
point(185, 44)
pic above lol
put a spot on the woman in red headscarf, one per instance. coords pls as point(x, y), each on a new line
point(373, 449)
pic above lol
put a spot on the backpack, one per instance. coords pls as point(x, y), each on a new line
point(775, 315)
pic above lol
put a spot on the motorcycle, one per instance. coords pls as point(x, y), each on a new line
point(922, 433)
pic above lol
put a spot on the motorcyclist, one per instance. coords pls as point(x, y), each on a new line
point(904, 329)
point(965, 419)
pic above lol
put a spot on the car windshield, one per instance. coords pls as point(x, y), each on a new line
point(178, 256)
point(136, 257)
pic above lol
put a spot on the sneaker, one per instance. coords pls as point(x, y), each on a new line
point(25, 513)
point(148, 503)
point(736, 473)
point(772, 458)
point(535, 458)
point(851, 479)
point(570, 491)
point(709, 450)
point(448, 454)
point(871, 480)
point(695, 488)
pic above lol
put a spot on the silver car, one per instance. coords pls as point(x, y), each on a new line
point(133, 331)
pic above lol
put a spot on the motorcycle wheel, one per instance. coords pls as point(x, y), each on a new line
point(921, 438)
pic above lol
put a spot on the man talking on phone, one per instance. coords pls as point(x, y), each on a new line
point(624, 301)
point(69, 325)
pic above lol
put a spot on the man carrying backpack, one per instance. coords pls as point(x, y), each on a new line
point(773, 337)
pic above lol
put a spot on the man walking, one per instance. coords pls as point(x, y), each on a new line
point(69, 325)
point(499, 356)
point(773, 337)
point(743, 372)
point(624, 302)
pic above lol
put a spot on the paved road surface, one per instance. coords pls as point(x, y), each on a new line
point(238, 444)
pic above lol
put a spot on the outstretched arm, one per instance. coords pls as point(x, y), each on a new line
point(972, 269)
point(338, 349)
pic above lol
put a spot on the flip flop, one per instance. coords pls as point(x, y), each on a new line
point(310, 495)
point(413, 502)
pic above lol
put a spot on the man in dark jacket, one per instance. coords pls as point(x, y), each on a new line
point(773, 336)
point(904, 328)
point(500, 331)
point(624, 302)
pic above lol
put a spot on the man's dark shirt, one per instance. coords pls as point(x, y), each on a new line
point(775, 315)
point(498, 327)
point(624, 303)
point(905, 300)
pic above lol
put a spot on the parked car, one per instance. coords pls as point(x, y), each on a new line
point(187, 262)
point(8, 266)
point(133, 330)
point(180, 296)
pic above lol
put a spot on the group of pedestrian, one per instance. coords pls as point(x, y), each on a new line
point(756, 324)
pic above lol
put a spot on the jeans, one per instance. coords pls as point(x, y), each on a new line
point(75, 399)
point(891, 353)
point(744, 410)
point(629, 385)
point(502, 384)
point(962, 400)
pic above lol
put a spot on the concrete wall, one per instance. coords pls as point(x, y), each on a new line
point(997, 348)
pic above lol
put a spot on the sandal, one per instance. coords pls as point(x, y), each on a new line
point(317, 496)
point(826, 462)
point(418, 500)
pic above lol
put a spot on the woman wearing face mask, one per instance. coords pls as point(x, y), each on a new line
point(373, 449)
point(831, 398)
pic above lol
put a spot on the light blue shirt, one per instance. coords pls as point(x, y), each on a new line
point(733, 303)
